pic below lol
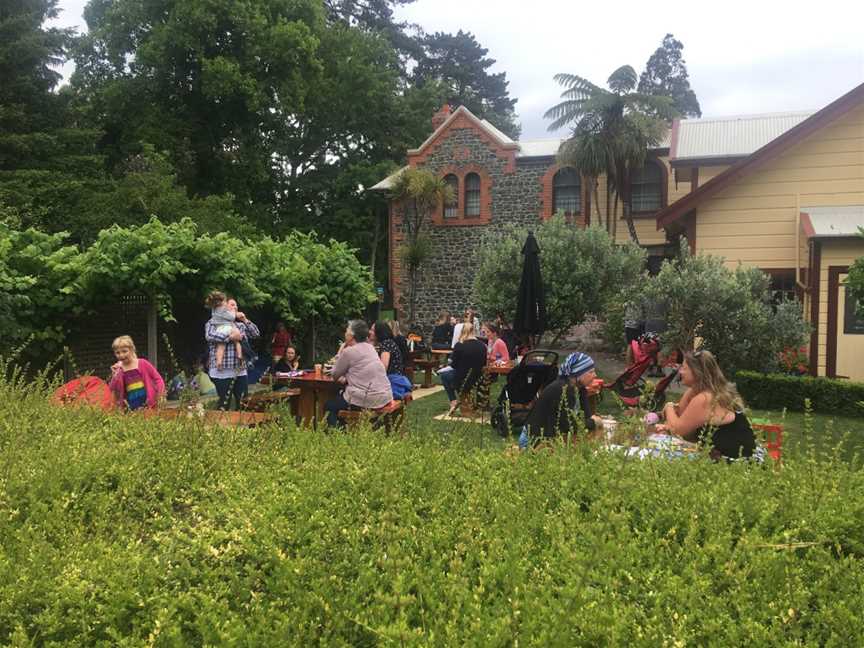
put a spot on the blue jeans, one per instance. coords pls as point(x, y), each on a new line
point(524, 439)
point(333, 406)
point(448, 380)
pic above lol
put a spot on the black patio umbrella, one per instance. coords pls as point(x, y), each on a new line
point(531, 303)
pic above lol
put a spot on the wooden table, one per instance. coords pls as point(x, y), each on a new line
point(315, 391)
point(500, 370)
point(427, 366)
point(440, 355)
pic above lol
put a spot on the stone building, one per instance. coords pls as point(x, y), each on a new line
point(498, 181)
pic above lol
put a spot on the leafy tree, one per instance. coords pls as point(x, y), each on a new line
point(38, 287)
point(48, 163)
point(666, 75)
point(419, 193)
point(612, 130)
point(460, 65)
point(730, 311)
point(582, 270)
point(855, 280)
point(277, 103)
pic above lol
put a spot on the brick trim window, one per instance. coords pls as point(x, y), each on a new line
point(647, 188)
point(472, 195)
point(567, 192)
point(561, 189)
point(451, 209)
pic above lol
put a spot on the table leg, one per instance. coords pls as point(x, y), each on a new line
point(427, 377)
point(306, 406)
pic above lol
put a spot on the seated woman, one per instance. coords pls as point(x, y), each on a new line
point(469, 317)
point(442, 334)
point(550, 416)
point(711, 411)
point(289, 361)
point(496, 348)
point(360, 368)
point(381, 336)
point(467, 362)
point(400, 340)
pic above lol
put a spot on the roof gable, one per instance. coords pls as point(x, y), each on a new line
point(766, 153)
point(461, 114)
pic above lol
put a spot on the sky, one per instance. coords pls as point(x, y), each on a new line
point(743, 57)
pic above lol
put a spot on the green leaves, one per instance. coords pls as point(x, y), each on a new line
point(582, 269)
point(729, 310)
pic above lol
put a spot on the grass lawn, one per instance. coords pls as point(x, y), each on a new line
point(823, 434)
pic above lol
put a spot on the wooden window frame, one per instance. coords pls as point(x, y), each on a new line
point(664, 189)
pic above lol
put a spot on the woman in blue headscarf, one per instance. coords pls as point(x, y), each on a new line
point(550, 415)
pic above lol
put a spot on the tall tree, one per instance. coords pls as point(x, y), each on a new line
point(48, 164)
point(461, 65)
point(611, 129)
point(666, 75)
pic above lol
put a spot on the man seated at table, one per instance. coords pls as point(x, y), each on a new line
point(550, 416)
point(358, 365)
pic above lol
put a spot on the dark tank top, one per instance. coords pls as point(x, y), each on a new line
point(731, 440)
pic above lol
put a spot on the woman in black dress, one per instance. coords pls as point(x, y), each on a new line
point(711, 411)
point(381, 335)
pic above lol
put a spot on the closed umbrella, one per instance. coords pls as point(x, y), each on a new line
point(531, 303)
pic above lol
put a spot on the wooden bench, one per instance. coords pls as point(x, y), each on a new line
point(213, 417)
point(263, 401)
point(389, 417)
point(427, 366)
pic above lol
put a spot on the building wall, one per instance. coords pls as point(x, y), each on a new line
point(446, 279)
point(834, 253)
point(754, 220)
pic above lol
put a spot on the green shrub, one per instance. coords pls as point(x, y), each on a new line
point(778, 391)
point(116, 530)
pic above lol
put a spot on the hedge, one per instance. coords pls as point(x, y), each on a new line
point(778, 391)
point(122, 531)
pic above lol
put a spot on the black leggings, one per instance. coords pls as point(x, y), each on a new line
point(225, 389)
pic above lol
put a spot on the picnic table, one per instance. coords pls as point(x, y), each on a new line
point(440, 355)
point(315, 391)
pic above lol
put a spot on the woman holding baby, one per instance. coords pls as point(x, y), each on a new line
point(228, 332)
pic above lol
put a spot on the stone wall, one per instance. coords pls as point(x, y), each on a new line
point(446, 278)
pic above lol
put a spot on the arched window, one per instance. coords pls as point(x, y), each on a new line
point(472, 195)
point(646, 188)
point(566, 192)
point(451, 207)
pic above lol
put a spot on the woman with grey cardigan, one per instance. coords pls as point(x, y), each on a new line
point(360, 368)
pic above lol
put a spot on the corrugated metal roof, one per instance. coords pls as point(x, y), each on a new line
point(827, 222)
point(539, 148)
point(387, 183)
point(737, 136)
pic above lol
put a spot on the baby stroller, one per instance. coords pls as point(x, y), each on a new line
point(537, 369)
point(630, 384)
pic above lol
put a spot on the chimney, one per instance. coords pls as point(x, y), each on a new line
point(440, 117)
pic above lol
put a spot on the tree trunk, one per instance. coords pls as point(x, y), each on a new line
point(412, 275)
point(596, 193)
point(631, 226)
point(615, 217)
point(609, 216)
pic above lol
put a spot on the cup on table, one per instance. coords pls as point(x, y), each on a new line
point(318, 369)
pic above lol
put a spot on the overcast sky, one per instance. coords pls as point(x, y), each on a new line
point(743, 56)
